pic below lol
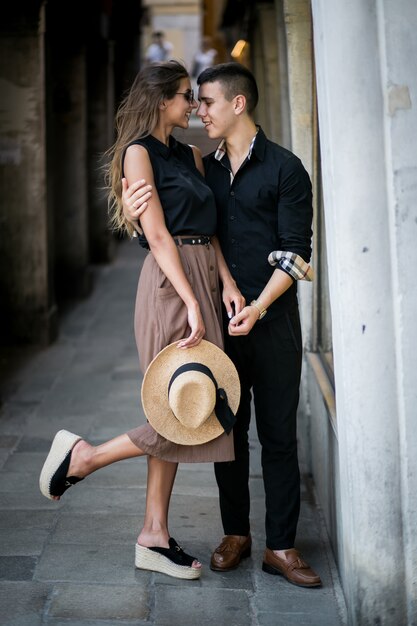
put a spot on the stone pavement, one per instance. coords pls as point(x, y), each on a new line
point(72, 563)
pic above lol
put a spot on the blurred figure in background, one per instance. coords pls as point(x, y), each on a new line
point(159, 50)
point(206, 57)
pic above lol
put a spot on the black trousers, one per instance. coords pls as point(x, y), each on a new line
point(269, 364)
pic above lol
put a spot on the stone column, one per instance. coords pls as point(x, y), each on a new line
point(364, 287)
point(28, 311)
point(101, 103)
point(298, 27)
point(297, 17)
point(68, 161)
point(266, 64)
point(398, 52)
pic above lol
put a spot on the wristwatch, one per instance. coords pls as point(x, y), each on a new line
point(261, 309)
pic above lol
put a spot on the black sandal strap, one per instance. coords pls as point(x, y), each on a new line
point(60, 482)
point(175, 554)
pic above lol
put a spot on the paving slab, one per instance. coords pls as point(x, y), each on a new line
point(98, 529)
point(90, 564)
point(110, 602)
point(22, 542)
point(4, 455)
point(17, 567)
point(94, 622)
point(8, 442)
point(205, 607)
point(282, 608)
point(22, 604)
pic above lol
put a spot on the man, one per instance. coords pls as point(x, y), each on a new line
point(264, 201)
point(159, 50)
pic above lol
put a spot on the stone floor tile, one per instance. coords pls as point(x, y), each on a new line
point(51, 621)
point(103, 602)
point(240, 578)
point(22, 604)
point(30, 501)
point(318, 605)
point(4, 455)
point(190, 606)
point(8, 442)
point(97, 529)
point(34, 444)
point(19, 482)
point(85, 499)
point(17, 567)
point(25, 462)
point(14, 419)
point(91, 564)
point(20, 520)
point(47, 425)
point(22, 542)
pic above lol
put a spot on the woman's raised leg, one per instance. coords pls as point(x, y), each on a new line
point(71, 459)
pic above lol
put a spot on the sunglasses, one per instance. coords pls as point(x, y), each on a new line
point(188, 95)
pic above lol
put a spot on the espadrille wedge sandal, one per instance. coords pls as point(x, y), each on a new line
point(172, 561)
point(53, 480)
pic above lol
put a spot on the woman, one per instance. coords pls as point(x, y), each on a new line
point(178, 297)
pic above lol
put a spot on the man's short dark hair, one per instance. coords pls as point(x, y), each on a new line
point(235, 79)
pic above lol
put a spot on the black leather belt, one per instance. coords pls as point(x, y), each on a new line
point(198, 240)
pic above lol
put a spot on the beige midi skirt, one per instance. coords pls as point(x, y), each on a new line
point(161, 319)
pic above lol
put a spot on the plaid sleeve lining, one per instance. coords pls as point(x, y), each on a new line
point(292, 264)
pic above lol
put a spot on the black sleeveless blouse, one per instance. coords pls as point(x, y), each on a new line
point(187, 201)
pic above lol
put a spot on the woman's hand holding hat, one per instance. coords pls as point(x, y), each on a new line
point(186, 392)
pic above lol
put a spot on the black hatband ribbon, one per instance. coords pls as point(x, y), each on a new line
point(222, 409)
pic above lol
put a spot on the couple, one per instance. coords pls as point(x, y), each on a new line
point(256, 197)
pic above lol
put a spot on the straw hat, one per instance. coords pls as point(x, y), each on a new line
point(191, 396)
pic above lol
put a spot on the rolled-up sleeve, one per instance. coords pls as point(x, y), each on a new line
point(292, 264)
point(295, 209)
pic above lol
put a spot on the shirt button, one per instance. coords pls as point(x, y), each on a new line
point(232, 193)
point(233, 265)
point(211, 268)
point(233, 240)
point(232, 217)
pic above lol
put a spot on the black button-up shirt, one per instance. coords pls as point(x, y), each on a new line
point(266, 206)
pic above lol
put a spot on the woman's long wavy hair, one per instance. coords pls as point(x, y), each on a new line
point(137, 116)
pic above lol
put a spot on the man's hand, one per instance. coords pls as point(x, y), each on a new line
point(243, 322)
point(233, 300)
point(135, 199)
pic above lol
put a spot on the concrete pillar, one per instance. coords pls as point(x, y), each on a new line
point(68, 162)
point(28, 311)
point(268, 112)
point(101, 109)
point(285, 115)
point(364, 286)
point(269, 58)
point(297, 17)
point(297, 20)
point(398, 51)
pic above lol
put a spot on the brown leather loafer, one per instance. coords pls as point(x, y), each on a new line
point(230, 552)
point(293, 568)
